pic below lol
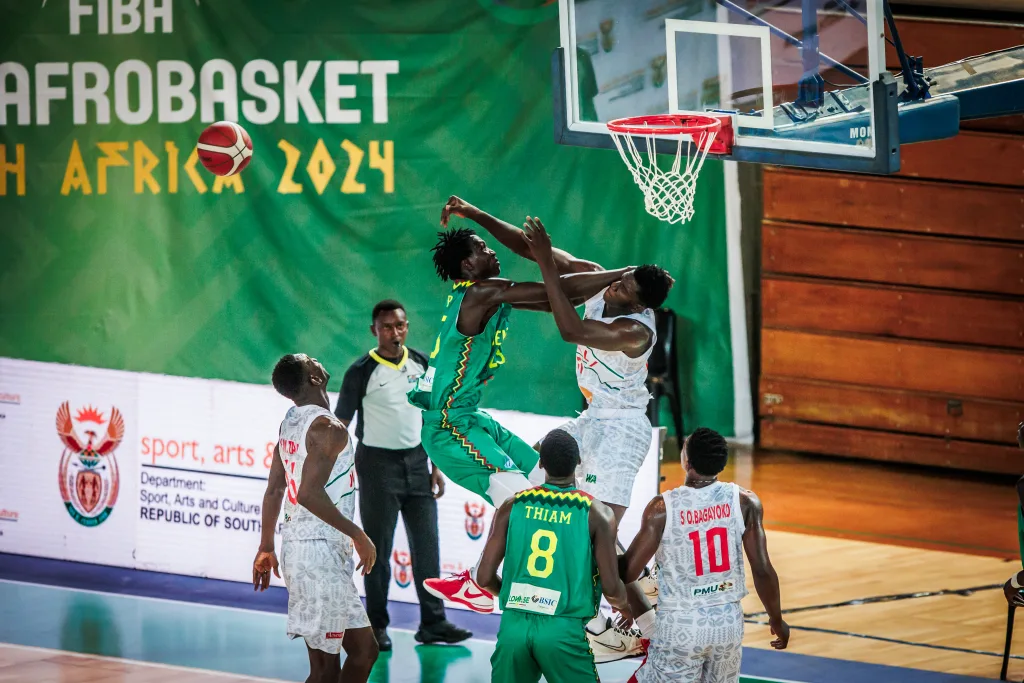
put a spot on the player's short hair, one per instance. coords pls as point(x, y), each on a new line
point(559, 453)
point(452, 248)
point(653, 284)
point(706, 451)
point(288, 376)
point(384, 307)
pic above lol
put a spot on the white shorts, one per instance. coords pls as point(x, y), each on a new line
point(322, 598)
point(704, 645)
point(612, 451)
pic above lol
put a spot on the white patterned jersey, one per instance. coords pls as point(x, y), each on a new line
point(299, 523)
point(700, 559)
point(611, 380)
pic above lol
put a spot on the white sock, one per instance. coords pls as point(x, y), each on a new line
point(645, 622)
point(598, 624)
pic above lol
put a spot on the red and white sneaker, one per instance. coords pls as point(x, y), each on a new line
point(462, 589)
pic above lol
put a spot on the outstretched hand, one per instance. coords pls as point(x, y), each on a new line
point(455, 206)
point(538, 239)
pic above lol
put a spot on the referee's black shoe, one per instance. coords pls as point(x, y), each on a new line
point(442, 632)
point(383, 640)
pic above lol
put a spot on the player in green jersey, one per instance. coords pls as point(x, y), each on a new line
point(465, 443)
point(558, 546)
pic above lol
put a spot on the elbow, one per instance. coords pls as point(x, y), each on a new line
point(303, 496)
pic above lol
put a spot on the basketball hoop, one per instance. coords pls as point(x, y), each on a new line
point(668, 195)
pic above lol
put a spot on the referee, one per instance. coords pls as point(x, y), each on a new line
point(393, 472)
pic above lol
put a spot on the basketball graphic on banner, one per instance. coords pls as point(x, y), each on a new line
point(89, 478)
point(224, 148)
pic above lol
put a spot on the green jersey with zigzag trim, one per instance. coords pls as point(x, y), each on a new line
point(460, 365)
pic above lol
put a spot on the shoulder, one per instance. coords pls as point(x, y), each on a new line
point(418, 356)
point(601, 513)
point(327, 429)
point(749, 502)
point(362, 364)
point(656, 507)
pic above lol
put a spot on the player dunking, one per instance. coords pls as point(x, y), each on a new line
point(465, 443)
point(558, 545)
point(313, 465)
point(698, 533)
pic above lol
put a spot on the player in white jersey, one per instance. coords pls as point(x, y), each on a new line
point(614, 340)
point(312, 469)
point(697, 533)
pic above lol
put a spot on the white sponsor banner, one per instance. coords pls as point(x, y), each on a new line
point(168, 473)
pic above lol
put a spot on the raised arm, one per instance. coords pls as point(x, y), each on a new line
point(645, 543)
point(495, 291)
point(324, 441)
point(266, 558)
point(766, 581)
point(494, 550)
point(602, 538)
point(511, 236)
point(629, 336)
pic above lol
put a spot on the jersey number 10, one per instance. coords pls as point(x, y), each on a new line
point(718, 559)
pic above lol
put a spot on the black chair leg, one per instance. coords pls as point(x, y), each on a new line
point(1009, 638)
point(675, 403)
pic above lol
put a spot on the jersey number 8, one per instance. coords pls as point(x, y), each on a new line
point(547, 554)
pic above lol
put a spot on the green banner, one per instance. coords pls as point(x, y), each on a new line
point(121, 251)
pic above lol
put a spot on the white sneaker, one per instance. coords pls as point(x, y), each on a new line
point(649, 584)
point(614, 643)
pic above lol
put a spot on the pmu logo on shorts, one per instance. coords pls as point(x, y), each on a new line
point(402, 572)
point(475, 520)
point(591, 478)
point(89, 478)
point(711, 589)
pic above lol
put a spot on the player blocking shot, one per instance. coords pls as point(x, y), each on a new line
point(614, 341)
point(558, 548)
point(465, 443)
point(313, 472)
point(697, 533)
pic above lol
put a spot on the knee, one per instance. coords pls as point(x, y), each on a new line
point(366, 657)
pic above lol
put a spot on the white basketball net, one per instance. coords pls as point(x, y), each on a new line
point(668, 195)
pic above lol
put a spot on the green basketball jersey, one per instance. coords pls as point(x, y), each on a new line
point(460, 365)
point(549, 560)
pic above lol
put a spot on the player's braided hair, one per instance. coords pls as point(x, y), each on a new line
point(452, 248)
point(653, 284)
point(288, 376)
point(559, 453)
point(706, 451)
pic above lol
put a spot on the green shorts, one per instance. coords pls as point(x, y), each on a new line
point(469, 446)
point(533, 644)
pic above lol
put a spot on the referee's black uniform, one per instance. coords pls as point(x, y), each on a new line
point(393, 477)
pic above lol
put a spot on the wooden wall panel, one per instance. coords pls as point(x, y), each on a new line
point(969, 157)
point(891, 312)
point(908, 260)
point(859, 443)
point(890, 410)
point(894, 204)
point(961, 372)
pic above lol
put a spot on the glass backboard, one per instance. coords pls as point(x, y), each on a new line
point(804, 81)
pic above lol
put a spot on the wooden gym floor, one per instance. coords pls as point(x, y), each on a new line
point(880, 565)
